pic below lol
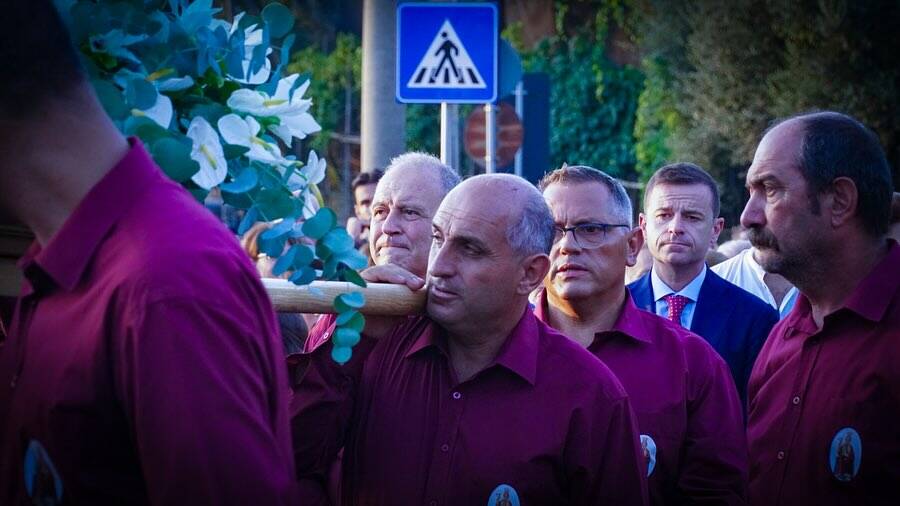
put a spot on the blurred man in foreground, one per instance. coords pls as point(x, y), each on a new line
point(138, 313)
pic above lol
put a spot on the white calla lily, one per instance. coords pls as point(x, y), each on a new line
point(315, 168)
point(292, 111)
point(245, 132)
point(161, 112)
point(207, 152)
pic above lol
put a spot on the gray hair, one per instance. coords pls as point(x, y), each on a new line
point(426, 162)
point(569, 174)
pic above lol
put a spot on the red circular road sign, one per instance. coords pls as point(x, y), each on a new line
point(509, 135)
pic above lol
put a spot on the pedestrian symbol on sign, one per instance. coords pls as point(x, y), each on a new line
point(446, 64)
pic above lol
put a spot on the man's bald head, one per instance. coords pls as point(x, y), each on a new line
point(515, 201)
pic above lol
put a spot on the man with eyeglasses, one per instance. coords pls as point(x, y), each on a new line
point(680, 223)
point(688, 411)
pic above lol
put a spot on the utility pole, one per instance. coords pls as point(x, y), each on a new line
point(383, 120)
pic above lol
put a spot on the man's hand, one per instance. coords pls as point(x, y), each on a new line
point(379, 326)
point(393, 274)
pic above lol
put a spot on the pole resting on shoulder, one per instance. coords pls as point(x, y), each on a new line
point(382, 299)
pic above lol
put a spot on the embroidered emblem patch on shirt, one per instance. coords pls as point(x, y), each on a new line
point(504, 495)
point(648, 448)
point(42, 482)
point(846, 454)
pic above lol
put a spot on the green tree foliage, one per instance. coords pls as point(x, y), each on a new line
point(718, 73)
point(332, 73)
point(593, 100)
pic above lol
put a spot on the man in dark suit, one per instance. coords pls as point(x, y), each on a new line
point(680, 222)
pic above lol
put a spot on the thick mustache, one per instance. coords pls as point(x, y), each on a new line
point(762, 238)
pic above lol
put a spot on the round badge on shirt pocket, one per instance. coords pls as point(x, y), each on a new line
point(845, 454)
point(504, 495)
point(648, 449)
point(42, 482)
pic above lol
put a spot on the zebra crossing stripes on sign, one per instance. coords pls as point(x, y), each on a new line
point(446, 64)
point(447, 52)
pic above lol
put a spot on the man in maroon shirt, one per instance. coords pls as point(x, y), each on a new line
point(143, 364)
point(825, 390)
point(479, 401)
point(689, 415)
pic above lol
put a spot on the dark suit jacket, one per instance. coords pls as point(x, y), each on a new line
point(734, 321)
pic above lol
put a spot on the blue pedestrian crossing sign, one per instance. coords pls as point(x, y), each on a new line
point(447, 52)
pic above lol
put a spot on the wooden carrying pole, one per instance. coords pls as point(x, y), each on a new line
point(317, 297)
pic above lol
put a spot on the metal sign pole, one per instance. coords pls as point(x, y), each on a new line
point(520, 112)
point(490, 138)
point(450, 135)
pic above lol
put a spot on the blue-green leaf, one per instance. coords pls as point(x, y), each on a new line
point(353, 277)
point(140, 93)
point(279, 19)
point(285, 261)
point(355, 300)
point(353, 259)
point(248, 220)
point(304, 256)
point(245, 181)
point(112, 99)
point(355, 321)
point(174, 158)
point(341, 354)
point(344, 316)
point(303, 276)
point(346, 337)
point(280, 229)
point(272, 247)
point(338, 241)
point(232, 150)
point(319, 225)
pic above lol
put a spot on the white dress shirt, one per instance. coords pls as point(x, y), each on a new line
point(743, 270)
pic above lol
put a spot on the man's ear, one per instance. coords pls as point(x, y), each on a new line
point(843, 201)
point(718, 226)
point(534, 269)
point(633, 246)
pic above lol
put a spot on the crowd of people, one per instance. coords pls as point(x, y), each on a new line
point(144, 363)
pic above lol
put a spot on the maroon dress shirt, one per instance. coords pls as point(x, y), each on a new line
point(144, 364)
point(825, 403)
point(688, 411)
point(546, 423)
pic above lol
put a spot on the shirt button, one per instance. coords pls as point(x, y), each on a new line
point(457, 395)
point(796, 400)
point(780, 456)
point(12, 382)
point(432, 503)
point(445, 448)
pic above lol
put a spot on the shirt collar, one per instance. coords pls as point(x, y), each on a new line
point(67, 254)
point(876, 291)
point(519, 353)
point(870, 299)
point(691, 290)
point(629, 323)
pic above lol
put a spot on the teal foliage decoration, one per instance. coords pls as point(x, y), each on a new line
point(217, 107)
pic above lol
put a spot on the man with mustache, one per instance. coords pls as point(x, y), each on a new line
point(824, 399)
point(478, 399)
point(680, 222)
point(688, 411)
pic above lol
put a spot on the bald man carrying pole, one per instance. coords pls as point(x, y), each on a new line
point(478, 402)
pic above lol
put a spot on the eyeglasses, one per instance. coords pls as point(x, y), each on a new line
point(587, 235)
